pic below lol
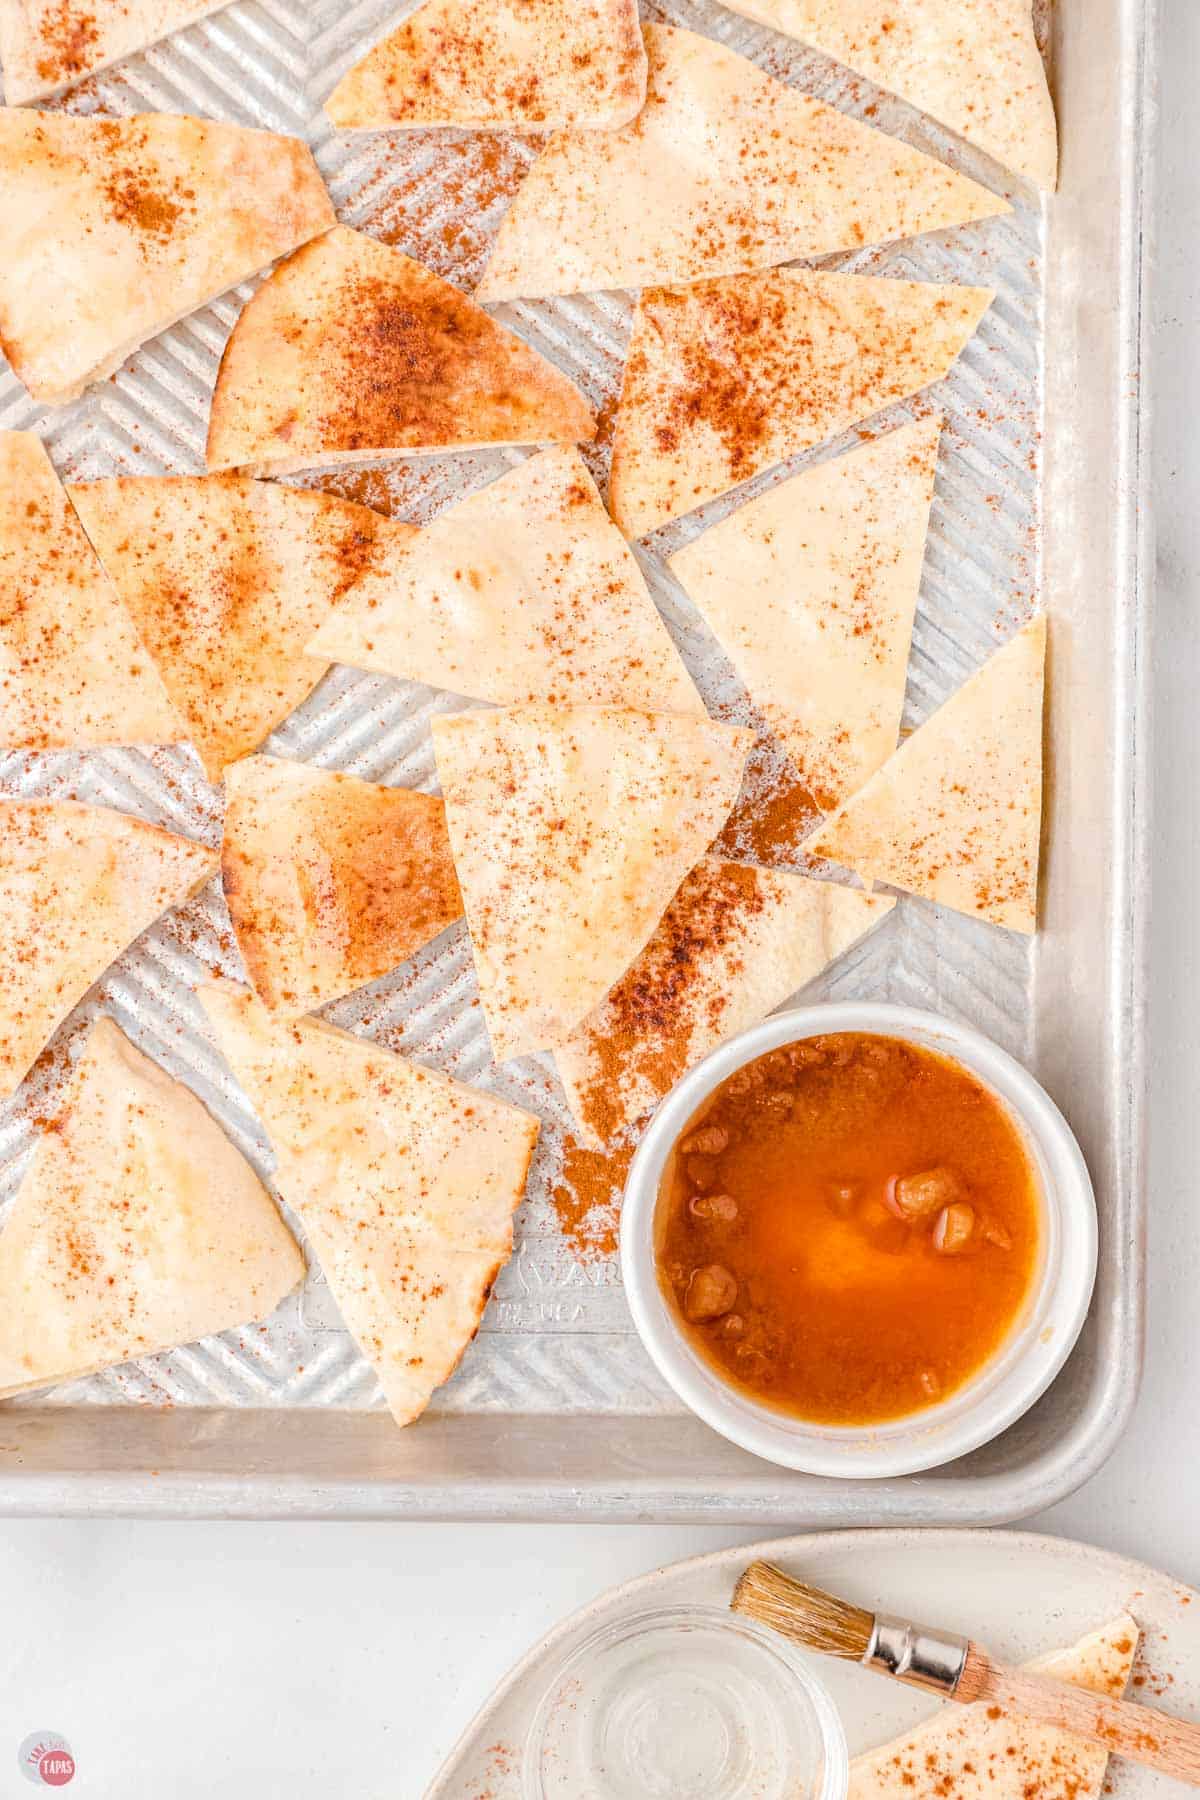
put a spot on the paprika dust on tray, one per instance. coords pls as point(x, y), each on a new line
point(849, 1228)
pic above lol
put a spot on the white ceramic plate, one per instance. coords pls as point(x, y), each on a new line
point(1019, 1593)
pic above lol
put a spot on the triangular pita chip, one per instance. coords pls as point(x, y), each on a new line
point(406, 1183)
point(972, 64)
point(138, 1227)
point(571, 828)
point(113, 229)
point(351, 351)
point(48, 45)
point(73, 671)
point(812, 589)
point(979, 1753)
point(726, 379)
point(955, 814)
point(77, 885)
point(524, 65)
point(330, 880)
point(735, 943)
point(227, 578)
point(724, 170)
point(524, 591)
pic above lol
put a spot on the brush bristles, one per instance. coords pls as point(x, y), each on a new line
point(805, 1614)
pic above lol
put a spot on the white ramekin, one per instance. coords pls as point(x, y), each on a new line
point(1008, 1384)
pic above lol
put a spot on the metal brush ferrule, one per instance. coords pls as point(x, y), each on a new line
point(933, 1660)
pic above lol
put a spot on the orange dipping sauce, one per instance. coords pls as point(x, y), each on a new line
point(849, 1228)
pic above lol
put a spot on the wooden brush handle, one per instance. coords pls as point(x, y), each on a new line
point(1140, 1734)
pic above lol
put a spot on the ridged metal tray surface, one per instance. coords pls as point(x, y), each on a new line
point(556, 1412)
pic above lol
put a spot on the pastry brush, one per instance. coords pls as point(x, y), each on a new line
point(940, 1662)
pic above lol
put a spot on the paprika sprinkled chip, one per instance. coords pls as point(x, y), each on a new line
point(138, 1227)
point(724, 170)
point(524, 591)
point(330, 881)
point(955, 814)
point(352, 350)
point(113, 229)
point(521, 65)
point(406, 1183)
point(730, 377)
point(226, 579)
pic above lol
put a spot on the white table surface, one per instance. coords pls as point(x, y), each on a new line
point(339, 1662)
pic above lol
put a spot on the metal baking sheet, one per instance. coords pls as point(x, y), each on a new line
point(556, 1412)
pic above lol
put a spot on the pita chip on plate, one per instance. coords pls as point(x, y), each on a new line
point(973, 65)
point(330, 880)
point(77, 885)
point(73, 671)
point(979, 1753)
point(114, 229)
point(955, 813)
point(227, 578)
point(724, 170)
point(406, 1183)
point(524, 591)
point(735, 942)
point(49, 45)
point(572, 826)
point(811, 589)
point(351, 351)
point(519, 65)
point(137, 1227)
point(728, 378)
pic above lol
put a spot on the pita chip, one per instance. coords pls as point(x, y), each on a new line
point(979, 1753)
point(955, 814)
point(73, 671)
point(330, 880)
point(728, 378)
point(518, 65)
point(735, 942)
point(77, 885)
point(571, 828)
point(227, 579)
point(114, 229)
point(138, 1227)
point(406, 1183)
point(725, 170)
point(352, 351)
point(811, 589)
point(524, 591)
point(49, 45)
point(973, 65)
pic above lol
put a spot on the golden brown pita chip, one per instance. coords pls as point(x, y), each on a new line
point(972, 64)
point(811, 588)
point(524, 591)
point(330, 880)
point(137, 1227)
point(113, 229)
point(571, 828)
point(521, 65)
point(728, 378)
point(48, 45)
point(979, 1753)
point(77, 885)
point(352, 351)
point(955, 814)
point(227, 579)
point(73, 670)
point(725, 170)
point(406, 1183)
point(735, 943)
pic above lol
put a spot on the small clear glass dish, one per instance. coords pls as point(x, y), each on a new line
point(685, 1703)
